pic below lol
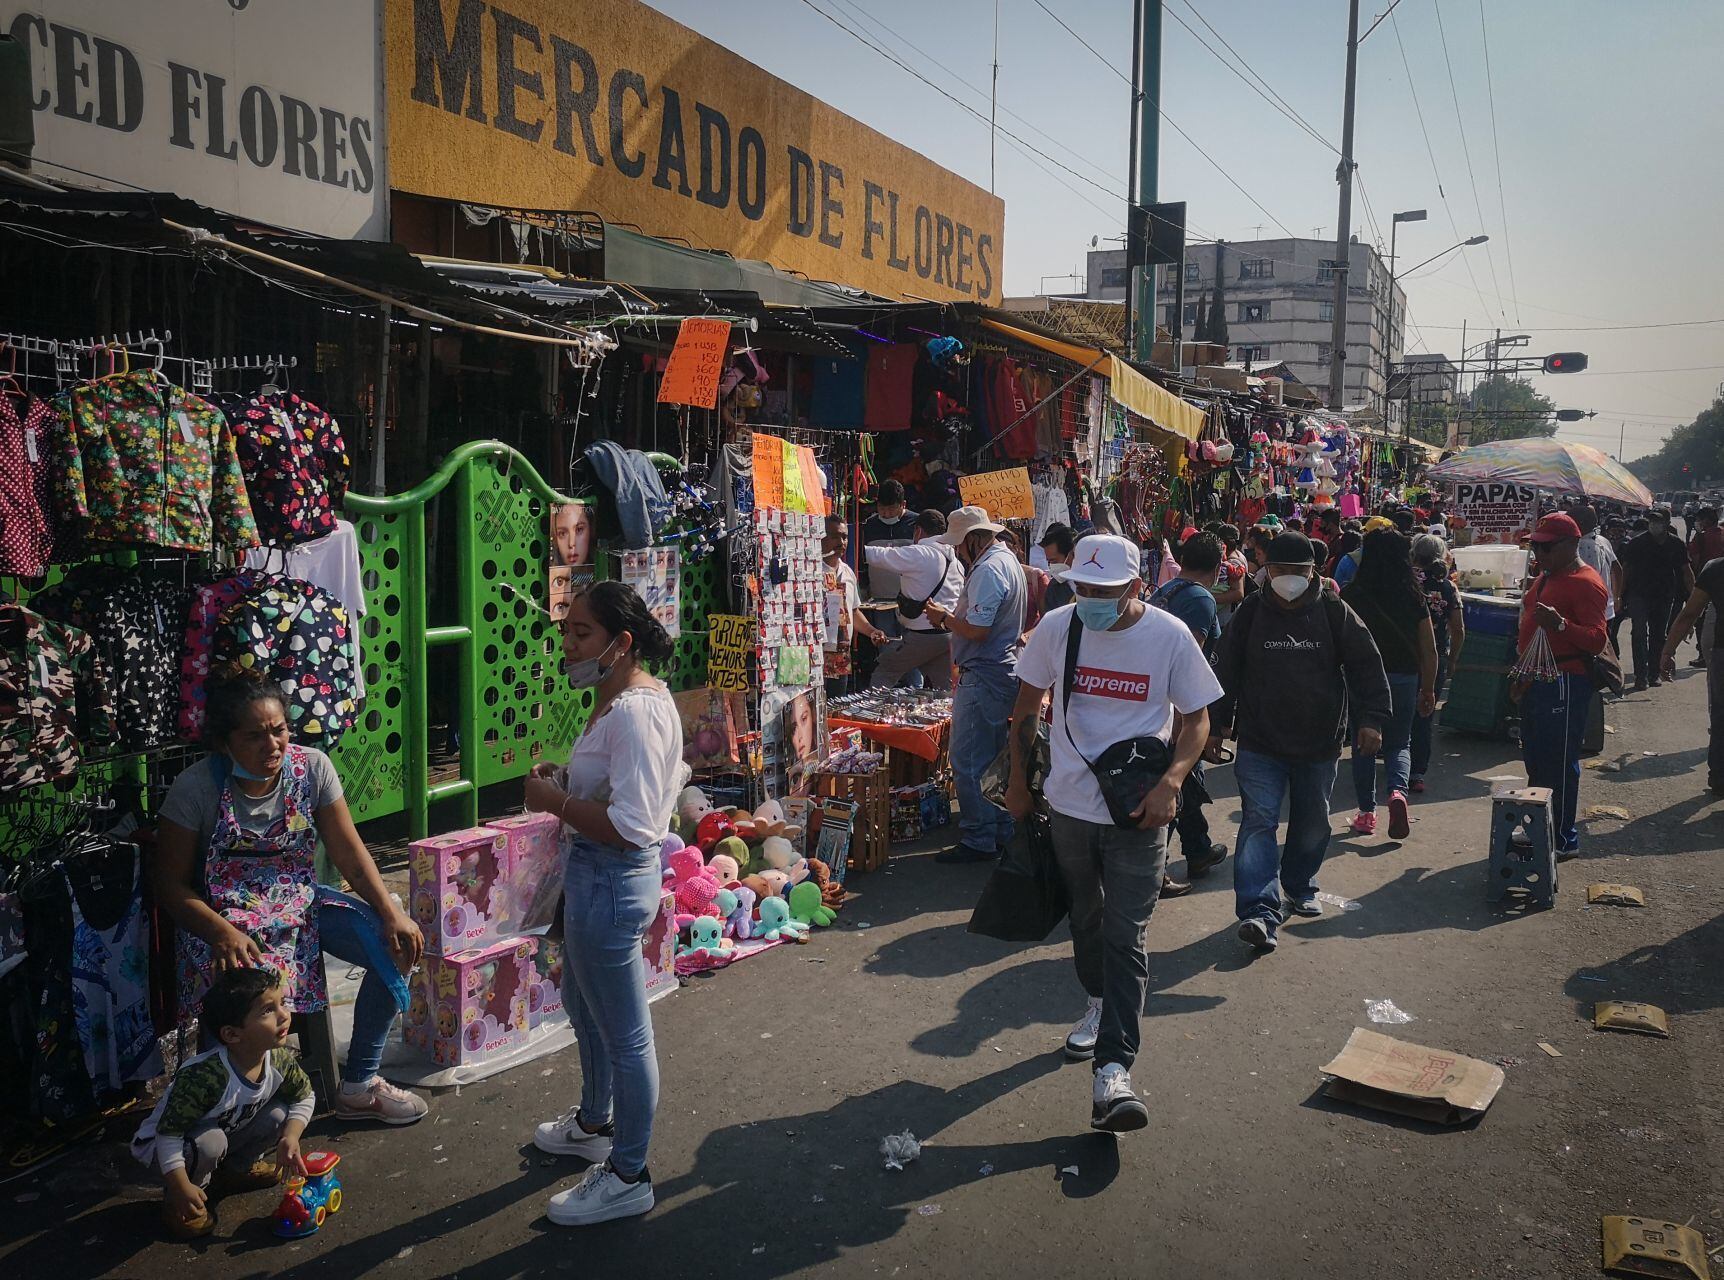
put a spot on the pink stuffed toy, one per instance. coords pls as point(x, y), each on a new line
point(723, 868)
point(694, 899)
point(776, 883)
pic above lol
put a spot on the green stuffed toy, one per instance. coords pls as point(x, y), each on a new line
point(807, 908)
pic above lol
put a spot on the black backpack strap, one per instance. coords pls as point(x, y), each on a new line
point(1074, 641)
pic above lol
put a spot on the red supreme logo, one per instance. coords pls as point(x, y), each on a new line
point(1126, 685)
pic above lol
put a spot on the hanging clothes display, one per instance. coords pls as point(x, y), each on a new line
point(110, 968)
point(53, 699)
point(208, 602)
point(26, 503)
point(295, 464)
point(890, 386)
point(330, 562)
point(299, 636)
point(141, 461)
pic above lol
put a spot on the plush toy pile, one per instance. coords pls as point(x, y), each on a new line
point(738, 876)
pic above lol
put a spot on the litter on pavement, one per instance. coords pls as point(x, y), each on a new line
point(1630, 1015)
point(1639, 1246)
point(1377, 1071)
point(1386, 1011)
point(899, 1149)
point(1615, 895)
point(1338, 902)
point(1551, 1049)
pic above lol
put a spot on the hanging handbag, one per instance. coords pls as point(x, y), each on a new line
point(1128, 770)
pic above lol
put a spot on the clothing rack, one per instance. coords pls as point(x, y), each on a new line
point(224, 364)
point(193, 374)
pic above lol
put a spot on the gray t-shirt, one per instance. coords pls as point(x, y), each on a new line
point(194, 800)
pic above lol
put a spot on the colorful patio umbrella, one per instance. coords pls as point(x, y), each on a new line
point(1545, 463)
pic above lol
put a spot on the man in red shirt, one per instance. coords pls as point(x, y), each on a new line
point(1568, 601)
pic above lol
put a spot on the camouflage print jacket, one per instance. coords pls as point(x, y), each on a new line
point(53, 699)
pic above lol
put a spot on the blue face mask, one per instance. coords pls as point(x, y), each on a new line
point(240, 771)
point(1097, 613)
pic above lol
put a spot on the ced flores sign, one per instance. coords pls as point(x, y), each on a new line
point(270, 109)
point(607, 105)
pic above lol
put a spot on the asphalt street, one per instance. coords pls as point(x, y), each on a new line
point(782, 1075)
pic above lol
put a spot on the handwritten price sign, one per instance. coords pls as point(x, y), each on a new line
point(696, 363)
point(1005, 495)
point(728, 647)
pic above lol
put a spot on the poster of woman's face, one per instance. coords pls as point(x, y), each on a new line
point(572, 534)
point(800, 730)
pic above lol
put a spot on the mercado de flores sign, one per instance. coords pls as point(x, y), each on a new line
point(609, 106)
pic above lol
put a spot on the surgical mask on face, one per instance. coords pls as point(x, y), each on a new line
point(1058, 570)
point(584, 673)
point(1098, 613)
point(240, 771)
point(1289, 586)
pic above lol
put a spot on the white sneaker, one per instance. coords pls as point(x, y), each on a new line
point(1080, 1040)
point(1115, 1108)
point(377, 1099)
point(599, 1197)
point(564, 1136)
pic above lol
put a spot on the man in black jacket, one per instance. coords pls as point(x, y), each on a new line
point(1291, 660)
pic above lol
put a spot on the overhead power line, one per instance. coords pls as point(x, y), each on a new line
point(1266, 92)
point(1466, 150)
point(1497, 151)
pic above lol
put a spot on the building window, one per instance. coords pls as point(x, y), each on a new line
point(1252, 312)
point(1326, 311)
point(1115, 277)
point(1190, 314)
point(1255, 354)
point(1257, 269)
point(1192, 273)
point(1326, 269)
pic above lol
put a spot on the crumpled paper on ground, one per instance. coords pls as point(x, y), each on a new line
point(899, 1149)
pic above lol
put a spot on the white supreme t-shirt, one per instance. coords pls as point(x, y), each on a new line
point(1128, 685)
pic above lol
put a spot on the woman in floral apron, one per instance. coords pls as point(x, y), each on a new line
point(236, 868)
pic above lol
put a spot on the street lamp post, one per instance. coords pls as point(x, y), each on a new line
point(1412, 215)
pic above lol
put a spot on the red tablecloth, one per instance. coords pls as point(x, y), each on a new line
point(919, 740)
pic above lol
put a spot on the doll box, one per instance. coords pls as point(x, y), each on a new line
point(545, 999)
point(458, 887)
point(659, 949)
point(531, 867)
point(473, 1005)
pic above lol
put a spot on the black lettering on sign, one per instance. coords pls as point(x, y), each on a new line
point(364, 173)
point(801, 221)
point(298, 133)
point(943, 237)
point(871, 226)
point(622, 81)
point(672, 150)
point(181, 103)
point(22, 25)
point(120, 87)
point(451, 57)
point(71, 73)
point(985, 243)
point(215, 93)
point(571, 103)
point(751, 173)
point(894, 259)
point(924, 241)
point(258, 130)
point(510, 77)
point(714, 156)
point(831, 176)
point(966, 259)
point(334, 147)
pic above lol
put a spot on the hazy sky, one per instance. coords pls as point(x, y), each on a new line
point(1607, 116)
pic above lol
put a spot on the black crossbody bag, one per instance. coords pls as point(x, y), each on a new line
point(1128, 770)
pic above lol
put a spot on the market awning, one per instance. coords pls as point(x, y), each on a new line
point(1128, 387)
point(651, 263)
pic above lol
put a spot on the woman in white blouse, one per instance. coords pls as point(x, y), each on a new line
point(615, 798)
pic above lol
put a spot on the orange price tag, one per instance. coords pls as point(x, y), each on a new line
point(768, 471)
point(696, 363)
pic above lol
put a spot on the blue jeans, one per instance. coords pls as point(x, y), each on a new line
point(349, 930)
point(610, 897)
point(1552, 729)
point(1258, 861)
point(981, 705)
point(1397, 742)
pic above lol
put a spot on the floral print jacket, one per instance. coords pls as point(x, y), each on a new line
point(142, 461)
point(295, 463)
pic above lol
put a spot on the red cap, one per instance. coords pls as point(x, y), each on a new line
point(1556, 527)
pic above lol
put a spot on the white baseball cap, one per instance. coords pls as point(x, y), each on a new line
point(1104, 560)
point(965, 521)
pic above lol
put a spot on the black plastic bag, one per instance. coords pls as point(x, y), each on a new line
point(1026, 895)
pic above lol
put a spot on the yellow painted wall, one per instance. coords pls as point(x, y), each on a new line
point(609, 106)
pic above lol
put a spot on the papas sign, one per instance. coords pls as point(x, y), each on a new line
point(609, 106)
point(1495, 511)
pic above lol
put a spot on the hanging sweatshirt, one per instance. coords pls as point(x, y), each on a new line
point(208, 1091)
point(1288, 676)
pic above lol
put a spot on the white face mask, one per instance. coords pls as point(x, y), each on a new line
point(1289, 586)
point(1056, 570)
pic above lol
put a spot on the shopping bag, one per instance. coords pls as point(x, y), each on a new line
point(1026, 895)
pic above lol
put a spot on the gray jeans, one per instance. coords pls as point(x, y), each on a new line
point(1113, 875)
point(929, 652)
point(211, 1145)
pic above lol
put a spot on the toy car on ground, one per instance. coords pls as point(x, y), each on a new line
point(311, 1199)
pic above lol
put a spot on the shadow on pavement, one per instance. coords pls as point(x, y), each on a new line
point(1679, 976)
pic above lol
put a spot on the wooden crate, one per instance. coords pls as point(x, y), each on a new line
point(870, 842)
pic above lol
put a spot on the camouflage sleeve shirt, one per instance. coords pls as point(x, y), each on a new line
point(208, 1093)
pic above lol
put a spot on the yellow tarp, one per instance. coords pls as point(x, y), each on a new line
point(1129, 387)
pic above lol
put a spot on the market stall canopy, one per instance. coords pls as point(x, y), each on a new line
point(1127, 386)
point(652, 263)
point(1545, 463)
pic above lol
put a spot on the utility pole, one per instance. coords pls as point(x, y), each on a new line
point(1145, 161)
point(994, 96)
point(1343, 251)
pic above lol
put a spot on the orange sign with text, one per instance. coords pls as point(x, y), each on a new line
point(696, 363)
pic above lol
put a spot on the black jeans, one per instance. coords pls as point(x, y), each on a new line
point(1192, 823)
point(1651, 622)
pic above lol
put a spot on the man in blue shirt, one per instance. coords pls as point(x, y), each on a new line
point(1189, 598)
point(987, 626)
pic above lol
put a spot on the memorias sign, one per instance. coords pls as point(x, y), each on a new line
point(268, 110)
point(610, 107)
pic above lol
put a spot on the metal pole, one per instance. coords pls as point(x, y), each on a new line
point(1343, 251)
point(1389, 334)
point(1621, 438)
point(1146, 159)
point(380, 404)
point(994, 95)
point(1131, 178)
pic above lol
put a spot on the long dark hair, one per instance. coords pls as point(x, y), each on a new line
point(618, 608)
point(228, 692)
point(1386, 568)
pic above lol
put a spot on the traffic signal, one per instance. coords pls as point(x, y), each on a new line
point(1565, 362)
point(1574, 415)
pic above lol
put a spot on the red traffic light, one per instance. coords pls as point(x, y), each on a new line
point(1565, 362)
